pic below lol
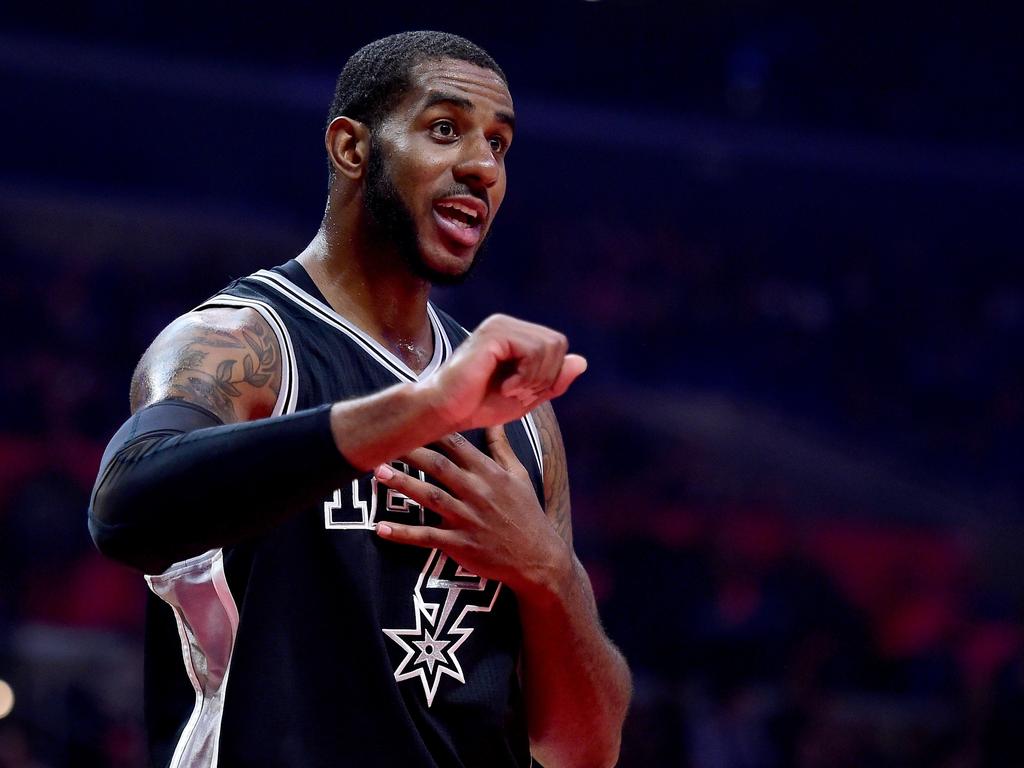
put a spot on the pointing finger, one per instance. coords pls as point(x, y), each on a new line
point(455, 473)
point(427, 495)
point(417, 535)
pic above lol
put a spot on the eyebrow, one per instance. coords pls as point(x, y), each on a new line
point(461, 102)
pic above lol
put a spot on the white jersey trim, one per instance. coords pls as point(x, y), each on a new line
point(207, 617)
point(288, 396)
point(535, 443)
point(319, 310)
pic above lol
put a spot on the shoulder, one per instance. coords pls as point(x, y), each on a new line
point(226, 360)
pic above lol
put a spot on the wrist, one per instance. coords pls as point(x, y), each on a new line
point(437, 408)
point(551, 580)
point(378, 428)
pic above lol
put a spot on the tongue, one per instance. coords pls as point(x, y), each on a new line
point(455, 228)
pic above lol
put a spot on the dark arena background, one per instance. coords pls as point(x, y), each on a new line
point(786, 236)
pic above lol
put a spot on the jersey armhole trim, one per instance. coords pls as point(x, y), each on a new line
point(324, 313)
point(535, 444)
point(194, 589)
point(288, 396)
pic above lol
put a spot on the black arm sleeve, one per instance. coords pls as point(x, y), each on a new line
point(174, 482)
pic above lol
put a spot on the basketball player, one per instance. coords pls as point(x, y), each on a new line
point(359, 564)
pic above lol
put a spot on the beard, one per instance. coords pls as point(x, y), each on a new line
point(392, 224)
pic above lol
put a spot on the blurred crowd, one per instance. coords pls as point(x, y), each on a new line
point(760, 640)
point(945, 71)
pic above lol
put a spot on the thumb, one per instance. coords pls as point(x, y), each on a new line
point(572, 366)
point(499, 448)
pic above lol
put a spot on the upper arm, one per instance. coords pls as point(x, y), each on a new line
point(556, 474)
point(225, 360)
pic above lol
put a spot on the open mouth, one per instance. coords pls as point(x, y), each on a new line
point(461, 219)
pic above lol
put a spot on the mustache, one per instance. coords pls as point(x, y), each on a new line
point(457, 190)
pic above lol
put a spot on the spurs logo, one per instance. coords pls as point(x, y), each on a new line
point(444, 597)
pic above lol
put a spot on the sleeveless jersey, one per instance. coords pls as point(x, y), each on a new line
point(319, 644)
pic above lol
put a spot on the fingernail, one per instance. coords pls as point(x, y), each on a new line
point(383, 529)
point(384, 472)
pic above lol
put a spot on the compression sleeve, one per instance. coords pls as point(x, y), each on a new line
point(174, 482)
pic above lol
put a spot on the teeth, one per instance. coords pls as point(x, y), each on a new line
point(461, 208)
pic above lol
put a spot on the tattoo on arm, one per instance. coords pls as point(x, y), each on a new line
point(219, 390)
point(209, 365)
point(556, 475)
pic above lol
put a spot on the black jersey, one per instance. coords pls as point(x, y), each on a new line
point(320, 644)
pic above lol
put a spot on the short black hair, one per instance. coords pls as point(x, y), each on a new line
point(375, 78)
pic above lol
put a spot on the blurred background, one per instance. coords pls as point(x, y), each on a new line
point(787, 237)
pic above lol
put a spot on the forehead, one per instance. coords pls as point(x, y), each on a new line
point(484, 87)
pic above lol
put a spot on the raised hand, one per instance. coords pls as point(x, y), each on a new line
point(506, 368)
point(493, 524)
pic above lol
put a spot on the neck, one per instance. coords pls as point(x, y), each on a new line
point(372, 287)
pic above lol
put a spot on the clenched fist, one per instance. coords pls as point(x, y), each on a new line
point(505, 369)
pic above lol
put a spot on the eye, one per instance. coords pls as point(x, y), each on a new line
point(497, 144)
point(444, 128)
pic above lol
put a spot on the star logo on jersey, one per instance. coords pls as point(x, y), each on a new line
point(431, 651)
point(445, 594)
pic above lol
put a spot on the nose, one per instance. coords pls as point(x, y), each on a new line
point(477, 166)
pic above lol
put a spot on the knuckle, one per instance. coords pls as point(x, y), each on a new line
point(438, 464)
point(434, 495)
point(493, 320)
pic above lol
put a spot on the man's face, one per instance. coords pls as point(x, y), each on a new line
point(436, 172)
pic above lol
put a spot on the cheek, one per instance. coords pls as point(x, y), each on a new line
point(408, 160)
point(420, 177)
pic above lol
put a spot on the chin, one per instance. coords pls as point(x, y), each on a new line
point(429, 270)
point(442, 267)
point(441, 277)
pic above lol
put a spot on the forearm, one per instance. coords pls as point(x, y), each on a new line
point(376, 429)
point(577, 683)
point(162, 497)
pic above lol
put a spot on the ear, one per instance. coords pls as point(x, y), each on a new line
point(348, 146)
